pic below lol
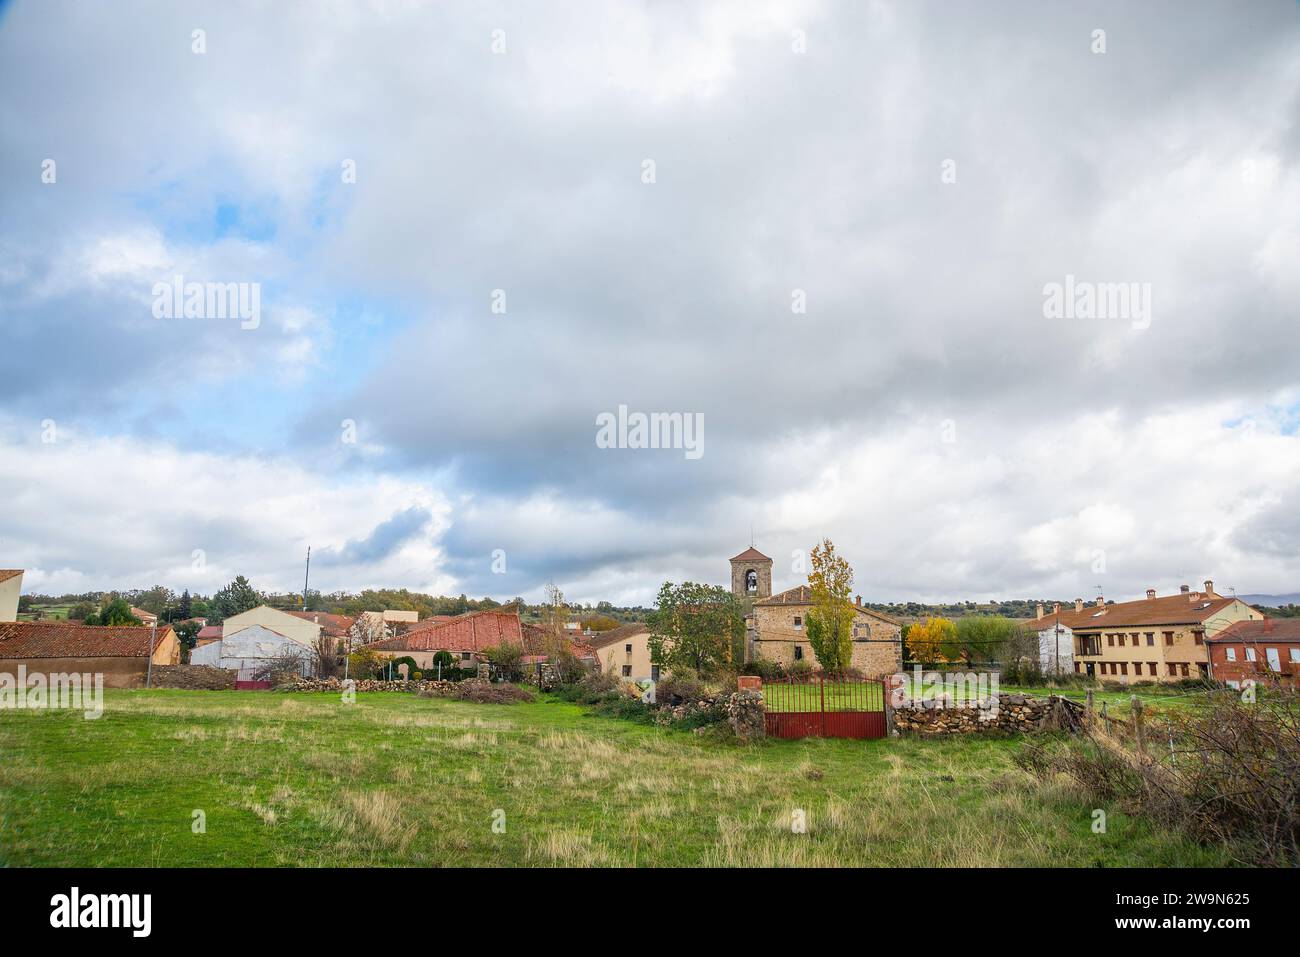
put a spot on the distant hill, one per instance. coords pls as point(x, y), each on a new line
point(1272, 601)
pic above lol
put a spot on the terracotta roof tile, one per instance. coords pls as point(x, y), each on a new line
point(472, 632)
point(1282, 630)
point(751, 554)
point(8, 573)
point(40, 639)
point(336, 626)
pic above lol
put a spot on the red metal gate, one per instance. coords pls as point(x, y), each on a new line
point(825, 707)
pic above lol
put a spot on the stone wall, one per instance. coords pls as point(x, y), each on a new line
point(194, 677)
point(1015, 713)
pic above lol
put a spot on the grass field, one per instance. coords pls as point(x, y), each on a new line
point(393, 779)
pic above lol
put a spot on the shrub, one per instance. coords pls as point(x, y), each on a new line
point(679, 689)
point(507, 660)
point(1231, 776)
point(417, 675)
point(799, 669)
point(363, 663)
point(591, 689)
point(765, 669)
point(484, 692)
point(629, 709)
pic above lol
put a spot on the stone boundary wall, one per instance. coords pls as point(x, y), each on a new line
point(194, 677)
point(1016, 713)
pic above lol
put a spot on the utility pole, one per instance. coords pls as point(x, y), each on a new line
point(153, 636)
point(305, 578)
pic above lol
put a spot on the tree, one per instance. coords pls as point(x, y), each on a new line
point(926, 640)
point(116, 613)
point(184, 607)
point(237, 597)
point(982, 638)
point(186, 632)
point(830, 622)
point(155, 600)
point(82, 611)
point(695, 627)
point(508, 660)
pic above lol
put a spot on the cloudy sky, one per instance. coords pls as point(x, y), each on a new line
point(826, 228)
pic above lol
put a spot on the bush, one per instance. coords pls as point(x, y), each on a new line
point(363, 663)
point(799, 669)
point(679, 689)
point(507, 660)
point(765, 669)
point(592, 689)
point(1231, 777)
point(629, 709)
point(484, 692)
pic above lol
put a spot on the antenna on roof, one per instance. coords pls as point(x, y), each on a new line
point(751, 534)
point(306, 576)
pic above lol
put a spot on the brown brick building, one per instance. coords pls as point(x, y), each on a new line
point(1265, 651)
point(1154, 639)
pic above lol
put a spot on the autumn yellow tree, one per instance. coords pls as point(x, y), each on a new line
point(926, 640)
point(830, 623)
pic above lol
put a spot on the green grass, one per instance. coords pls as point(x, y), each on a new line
point(302, 779)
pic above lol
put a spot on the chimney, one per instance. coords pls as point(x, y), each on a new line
point(1040, 609)
point(1184, 589)
point(1101, 601)
point(1056, 608)
point(857, 600)
point(1209, 588)
point(1078, 604)
point(1268, 624)
point(1151, 593)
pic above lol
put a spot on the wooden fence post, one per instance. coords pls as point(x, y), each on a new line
point(1136, 704)
point(1090, 717)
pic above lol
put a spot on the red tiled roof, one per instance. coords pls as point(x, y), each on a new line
point(41, 639)
point(335, 626)
point(1190, 609)
point(430, 622)
point(1282, 630)
point(143, 615)
point(751, 554)
point(8, 573)
point(472, 632)
point(615, 635)
point(208, 631)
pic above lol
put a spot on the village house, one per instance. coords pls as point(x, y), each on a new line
point(625, 653)
point(1154, 639)
point(1262, 651)
point(121, 654)
point(146, 617)
point(262, 636)
point(1055, 633)
point(464, 637)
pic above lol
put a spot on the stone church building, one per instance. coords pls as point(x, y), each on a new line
point(776, 628)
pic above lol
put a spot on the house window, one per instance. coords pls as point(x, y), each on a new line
point(1198, 637)
point(1137, 668)
point(1123, 667)
point(1169, 637)
point(1183, 666)
point(1151, 638)
point(1231, 654)
point(798, 652)
point(1136, 638)
point(628, 649)
point(1274, 659)
point(798, 621)
point(1173, 669)
point(654, 672)
point(1076, 667)
point(627, 671)
point(1110, 640)
point(1295, 655)
point(464, 656)
point(1250, 654)
point(1152, 666)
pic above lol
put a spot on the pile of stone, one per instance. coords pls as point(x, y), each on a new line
point(1014, 713)
point(433, 688)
